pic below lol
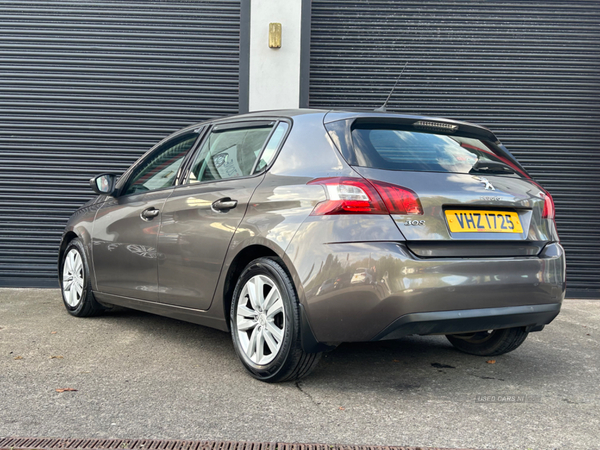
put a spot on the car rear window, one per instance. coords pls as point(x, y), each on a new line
point(390, 148)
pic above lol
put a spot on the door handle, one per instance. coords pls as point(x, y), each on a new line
point(149, 214)
point(224, 204)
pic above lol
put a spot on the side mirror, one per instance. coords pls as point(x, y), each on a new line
point(103, 184)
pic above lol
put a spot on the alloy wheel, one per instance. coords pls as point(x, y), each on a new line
point(72, 279)
point(260, 320)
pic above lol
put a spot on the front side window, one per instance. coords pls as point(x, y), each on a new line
point(229, 153)
point(160, 168)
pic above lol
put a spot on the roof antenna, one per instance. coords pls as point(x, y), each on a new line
point(382, 108)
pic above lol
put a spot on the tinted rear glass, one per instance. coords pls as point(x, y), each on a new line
point(400, 149)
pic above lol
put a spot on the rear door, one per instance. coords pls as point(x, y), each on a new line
point(202, 215)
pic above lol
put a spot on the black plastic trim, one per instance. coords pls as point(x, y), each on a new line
point(470, 320)
point(243, 124)
point(308, 340)
point(475, 249)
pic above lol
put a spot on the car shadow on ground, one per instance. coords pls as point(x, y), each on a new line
point(410, 364)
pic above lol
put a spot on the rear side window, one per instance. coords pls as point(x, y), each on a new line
point(385, 147)
point(271, 148)
point(230, 153)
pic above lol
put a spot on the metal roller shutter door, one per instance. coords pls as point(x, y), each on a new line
point(528, 70)
point(87, 87)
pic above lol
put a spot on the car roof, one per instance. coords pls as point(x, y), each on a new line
point(332, 115)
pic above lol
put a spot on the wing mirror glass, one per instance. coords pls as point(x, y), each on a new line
point(103, 184)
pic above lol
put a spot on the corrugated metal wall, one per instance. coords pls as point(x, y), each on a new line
point(528, 70)
point(87, 87)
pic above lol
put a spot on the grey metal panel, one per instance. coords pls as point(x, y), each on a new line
point(87, 87)
point(530, 71)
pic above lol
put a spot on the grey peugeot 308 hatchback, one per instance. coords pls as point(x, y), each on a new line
point(298, 230)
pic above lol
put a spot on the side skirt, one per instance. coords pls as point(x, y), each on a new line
point(198, 316)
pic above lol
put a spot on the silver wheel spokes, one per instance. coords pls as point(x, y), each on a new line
point(260, 320)
point(73, 278)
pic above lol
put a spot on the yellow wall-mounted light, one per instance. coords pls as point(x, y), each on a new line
point(274, 35)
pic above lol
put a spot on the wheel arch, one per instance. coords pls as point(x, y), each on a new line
point(241, 260)
point(66, 239)
point(68, 236)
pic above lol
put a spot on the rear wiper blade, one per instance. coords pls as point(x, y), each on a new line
point(489, 167)
point(486, 169)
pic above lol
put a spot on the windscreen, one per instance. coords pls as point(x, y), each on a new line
point(385, 147)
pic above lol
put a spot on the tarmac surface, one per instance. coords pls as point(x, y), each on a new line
point(132, 375)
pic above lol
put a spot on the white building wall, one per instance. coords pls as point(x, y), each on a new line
point(274, 78)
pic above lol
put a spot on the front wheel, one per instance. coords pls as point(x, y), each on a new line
point(75, 282)
point(265, 324)
point(489, 343)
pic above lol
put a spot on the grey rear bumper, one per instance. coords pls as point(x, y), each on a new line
point(470, 320)
point(364, 291)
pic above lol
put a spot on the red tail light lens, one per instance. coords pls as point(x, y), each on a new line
point(398, 200)
point(348, 196)
point(549, 211)
point(359, 196)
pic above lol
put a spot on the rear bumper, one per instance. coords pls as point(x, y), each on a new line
point(470, 320)
point(404, 294)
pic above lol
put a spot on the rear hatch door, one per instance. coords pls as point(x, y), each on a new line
point(476, 200)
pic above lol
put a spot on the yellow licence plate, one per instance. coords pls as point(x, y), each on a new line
point(476, 221)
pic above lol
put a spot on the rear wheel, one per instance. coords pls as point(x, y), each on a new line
point(489, 343)
point(265, 324)
point(75, 282)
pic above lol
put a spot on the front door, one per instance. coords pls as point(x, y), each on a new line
point(124, 245)
point(125, 232)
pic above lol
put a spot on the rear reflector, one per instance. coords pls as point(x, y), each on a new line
point(346, 195)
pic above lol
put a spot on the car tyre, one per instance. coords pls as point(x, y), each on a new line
point(265, 323)
point(489, 343)
point(75, 282)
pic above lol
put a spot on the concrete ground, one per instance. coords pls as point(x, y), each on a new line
point(142, 376)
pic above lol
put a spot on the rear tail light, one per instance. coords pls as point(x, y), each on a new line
point(398, 200)
point(348, 196)
point(359, 196)
point(549, 211)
